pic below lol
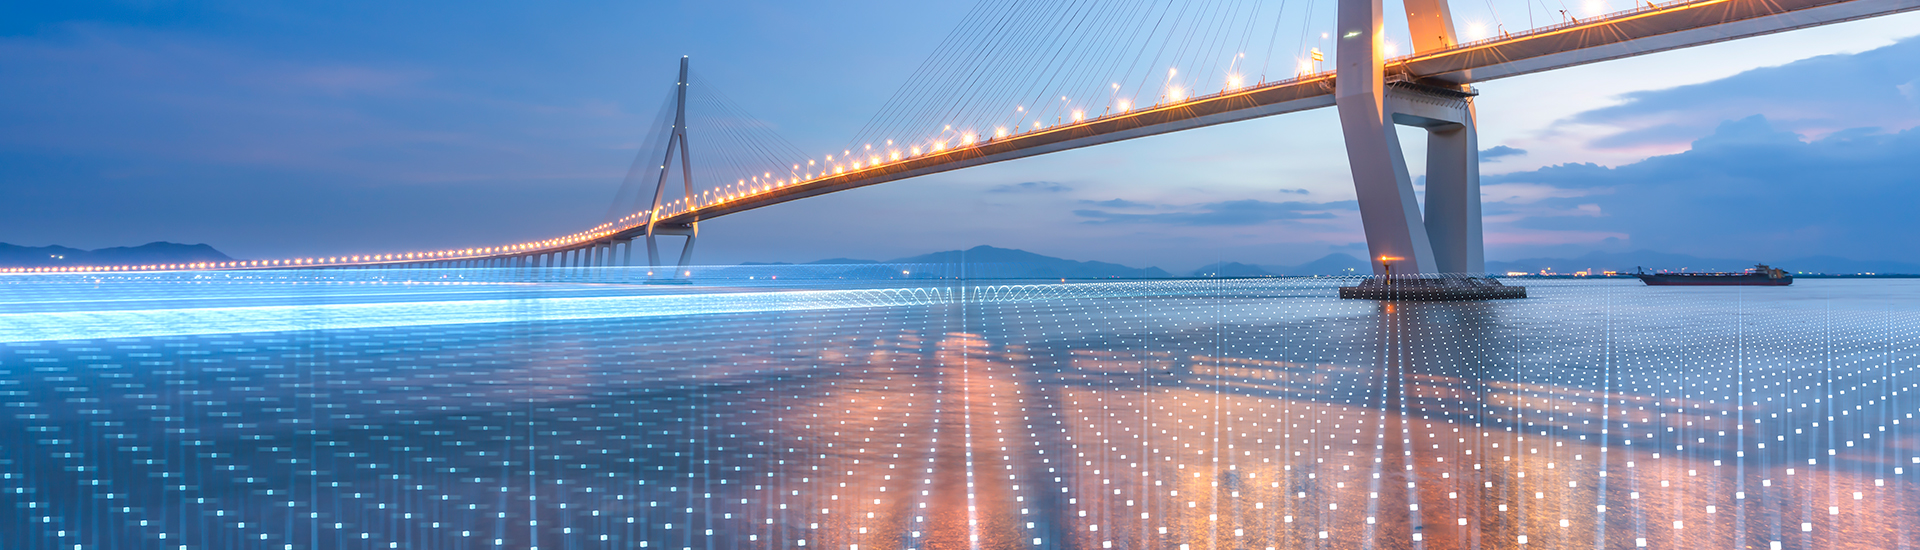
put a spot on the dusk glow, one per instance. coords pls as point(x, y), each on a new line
point(1006, 275)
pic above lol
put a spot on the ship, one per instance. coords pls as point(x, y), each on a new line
point(1760, 275)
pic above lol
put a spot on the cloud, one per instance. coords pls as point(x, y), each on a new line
point(1813, 96)
point(1294, 191)
point(1031, 187)
point(1118, 203)
point(1227, 213)
point(1500, 151)
point(1529, 193)
point(1749, 188)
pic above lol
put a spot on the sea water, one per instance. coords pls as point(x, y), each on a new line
point(861, 408)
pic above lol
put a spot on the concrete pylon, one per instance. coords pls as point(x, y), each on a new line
point(677, 138)
point(1448, 238)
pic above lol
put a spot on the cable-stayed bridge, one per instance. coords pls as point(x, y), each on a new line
point(958, 93)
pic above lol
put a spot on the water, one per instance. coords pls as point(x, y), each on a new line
point(482, 409)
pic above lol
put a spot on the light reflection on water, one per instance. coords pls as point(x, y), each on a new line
point(1210, 414)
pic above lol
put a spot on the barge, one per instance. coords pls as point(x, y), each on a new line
point(1760, 275)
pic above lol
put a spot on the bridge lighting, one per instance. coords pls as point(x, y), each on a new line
point(913, 150)
point(1306, 67)
point(1174, 93)
point(1000, 132)
point(873, 160)
point(1078, 115)
point(1123, 105)
point(1233, 81)
point(1388, 49)
point(966, 139)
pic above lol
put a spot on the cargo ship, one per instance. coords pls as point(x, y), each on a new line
point(1760, 275)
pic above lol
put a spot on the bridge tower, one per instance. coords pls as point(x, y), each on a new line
point(1372, 105)
point(676, 140)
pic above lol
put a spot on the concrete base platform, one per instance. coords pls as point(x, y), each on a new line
point(1445, 289)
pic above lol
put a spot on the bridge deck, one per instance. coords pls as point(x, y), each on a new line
point(1647, 29)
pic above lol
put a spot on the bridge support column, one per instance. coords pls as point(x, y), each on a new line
point(1453, 197)
point(1389, 211)
point(676, 140)
point(1446, 244)
point(1447, 240)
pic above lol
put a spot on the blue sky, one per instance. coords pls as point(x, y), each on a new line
point(273, 130)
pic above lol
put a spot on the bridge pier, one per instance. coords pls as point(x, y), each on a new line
point(1446, 244)
point(1447, 240)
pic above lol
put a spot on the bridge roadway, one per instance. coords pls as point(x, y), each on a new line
point(1647, 29)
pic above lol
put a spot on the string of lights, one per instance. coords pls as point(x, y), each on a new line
point(1010, 71)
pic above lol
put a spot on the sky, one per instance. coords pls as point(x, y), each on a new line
point(300, 129)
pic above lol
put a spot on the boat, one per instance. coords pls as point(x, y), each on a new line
point(1760, 275)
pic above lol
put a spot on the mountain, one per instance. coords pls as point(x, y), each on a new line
point(1837, 265)
point(986, 262)
point(151, 253)
point(1231, 269)
point(1654, 261)
point(1005, 263)
point(1331, 264)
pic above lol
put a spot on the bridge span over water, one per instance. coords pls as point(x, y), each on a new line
point(1430, 88)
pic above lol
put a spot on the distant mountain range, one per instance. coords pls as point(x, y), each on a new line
point(1655, 261)
point(1005, 263)
point(1331, 264)
point(151, 253)
point(991, 262)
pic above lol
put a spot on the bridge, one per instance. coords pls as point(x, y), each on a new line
point(1375, 93)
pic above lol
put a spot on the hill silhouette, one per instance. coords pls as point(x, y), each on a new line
point(158, 252)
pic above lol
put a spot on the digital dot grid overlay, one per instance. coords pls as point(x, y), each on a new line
point(1190, 414)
